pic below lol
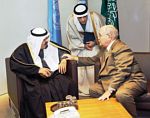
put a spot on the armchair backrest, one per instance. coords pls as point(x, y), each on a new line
point(14, 86)
point(143, 59)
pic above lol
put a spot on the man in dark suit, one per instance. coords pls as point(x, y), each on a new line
point(119, 75)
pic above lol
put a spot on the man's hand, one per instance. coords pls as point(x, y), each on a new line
point(62, 66)
point(70, 57)
point(105, 96)
point(45, 72)
point(89, 45)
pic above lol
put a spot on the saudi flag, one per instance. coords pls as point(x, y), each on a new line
point(110, 12)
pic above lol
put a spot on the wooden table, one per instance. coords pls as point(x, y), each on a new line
point(92, 108)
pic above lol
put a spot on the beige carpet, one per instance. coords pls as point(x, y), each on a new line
point(5, 111)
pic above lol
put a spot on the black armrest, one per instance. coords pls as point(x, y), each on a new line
point(97, 68)
point(14, 86)
point(72, 72)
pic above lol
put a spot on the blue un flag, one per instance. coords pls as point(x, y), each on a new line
point(54, 21)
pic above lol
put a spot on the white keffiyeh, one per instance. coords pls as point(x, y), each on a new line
point(50, 53)
point(89, 27)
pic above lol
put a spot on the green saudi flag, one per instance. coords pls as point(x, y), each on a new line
point(110, 12)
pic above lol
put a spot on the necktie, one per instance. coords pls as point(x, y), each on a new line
point(41, 55)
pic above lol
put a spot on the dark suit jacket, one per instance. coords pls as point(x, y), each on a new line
point(118, 65)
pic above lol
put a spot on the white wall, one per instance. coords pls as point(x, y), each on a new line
point(65, 8)
point(134, 18)
point(17, 17)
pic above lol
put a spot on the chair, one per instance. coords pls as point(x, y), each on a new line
point(14, 85)
point(143, 102)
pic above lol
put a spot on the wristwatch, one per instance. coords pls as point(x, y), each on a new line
point(111, 90)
